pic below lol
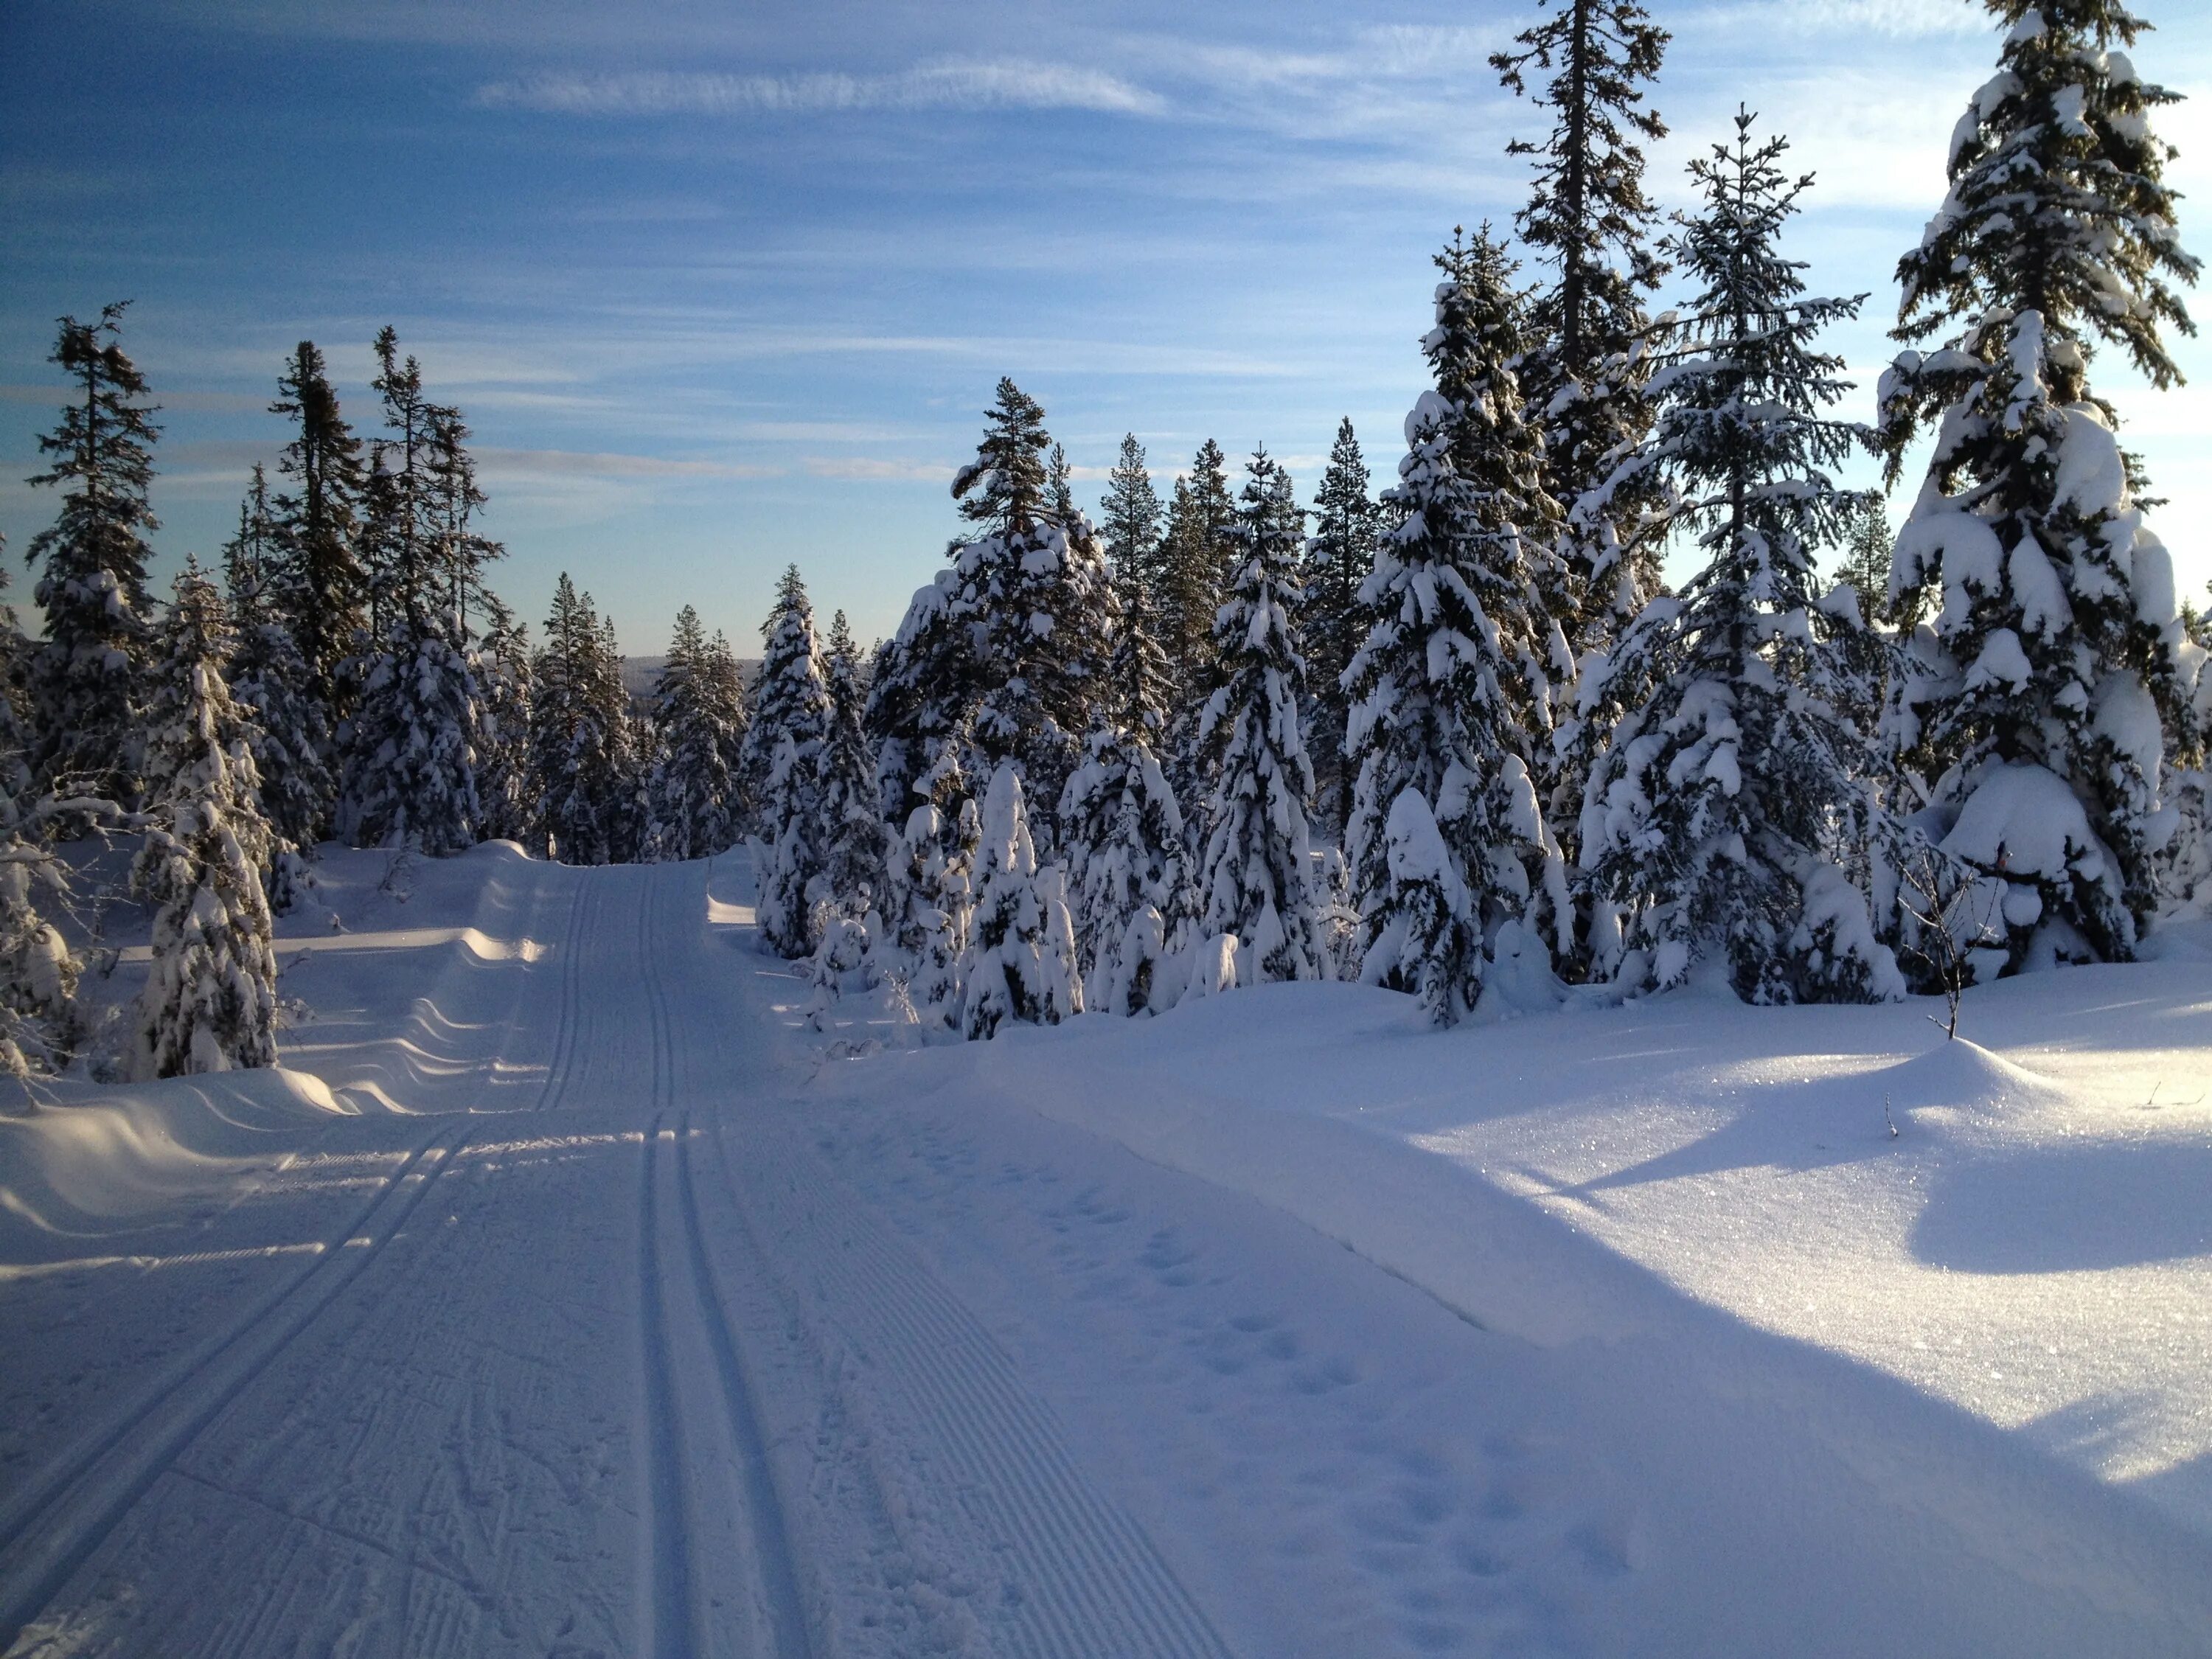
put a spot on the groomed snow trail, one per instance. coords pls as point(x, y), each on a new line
point(509, 1403)
point(618, 1322)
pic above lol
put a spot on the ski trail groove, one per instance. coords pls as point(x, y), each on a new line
point(672, 1621)
point(28, 1504)
point(774, 1581)
point(76, 1520)
point(562, 1061)
point(1083, 1578)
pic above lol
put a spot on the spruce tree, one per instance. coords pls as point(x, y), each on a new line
point(322, 586)
point(1453, 692)
point(1020, 963)
point(579, 734)
point(410, 765)
point(1001, 654)
point(1256, 878)
point(692, 796)
point(506, 781)
point(1733, 802)
point(1591, 223)
point(1196, 558)
point(1129, 519)
point(40, 1024)
point(92, 585)
point(732, 702)
point(1121, 832)
point(2047, 692)
point(210, 1001)
point(784, 748)
point(1338, 557)
point(270, 679)
point(857, 843)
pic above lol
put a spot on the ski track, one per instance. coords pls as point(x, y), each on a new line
point(825, 1452)
point(82, 1503)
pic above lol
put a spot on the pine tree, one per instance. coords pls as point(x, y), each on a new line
point(321, 585)
point(93, 587)
point(1338, 557)
point(210, 1002)
point(2047, 692)
point(1453, 692)
point(726, 694)
point(692, 796)
point(1730, 806)
point(410, 770)
point(461, 551)
point(271, 681)
point(579, 737)
point(1255, 880)
point(1020, 963)
point(1589, 221)
point(784, 748)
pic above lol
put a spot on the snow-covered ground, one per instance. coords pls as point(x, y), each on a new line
point(564, 1296)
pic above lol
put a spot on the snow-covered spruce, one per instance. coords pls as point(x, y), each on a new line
point(210, 1001)
point(927, 909)
point(856, 844)
point(1454, 691)
point(1429, 933)
point(2050, 666)
point(1000, 656)
point(270, 678)
point(792, 717)
point(1339, 554)
point(412, 780)
point(321, 582)
point(1020, 963)
point(1589, 221)
point(1121, 831)
point(92, 581)
point(507, 783)
point(1731, 800)
point(691, 794)
point(1255, 880)
point(582, 762)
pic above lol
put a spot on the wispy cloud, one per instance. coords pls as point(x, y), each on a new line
point(591, 463)
point(862, 469)
point(947, 85)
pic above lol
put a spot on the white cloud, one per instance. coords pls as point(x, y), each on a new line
point(949, 85)
point(590, 463)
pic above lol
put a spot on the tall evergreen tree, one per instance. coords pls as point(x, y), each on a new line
point(1454, 690)
point(2047, 690)
point(579, 734)
point(271, 681)
point(1338, 557)
point(693, 796)
point(1129, 519)
point(210, 1001)
point(1257, 880)
point(410, 770)
point(1730, 812)
point(40, 1024)
point(462, 549)
point(323, 585)
point(784, 748)
point(1001, 654)
point(1196, 559)
point(1589, 221)
point(93, 584)
point(507, 779)
point(858, 844)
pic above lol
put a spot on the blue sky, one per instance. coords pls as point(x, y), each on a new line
point(723, 287)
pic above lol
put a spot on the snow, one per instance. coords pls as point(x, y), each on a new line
point(2091, 472)
point(566, 1296)
point(2026, 820)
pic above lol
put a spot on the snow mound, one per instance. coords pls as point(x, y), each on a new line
point(1963, 1080)
point(79, 1170)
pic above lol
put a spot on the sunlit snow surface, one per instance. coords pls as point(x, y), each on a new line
point(569, 1293)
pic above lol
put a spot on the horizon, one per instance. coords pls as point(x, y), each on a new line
point(718, 293)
